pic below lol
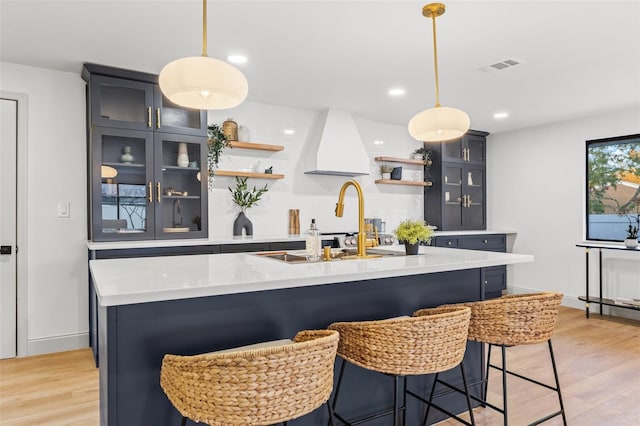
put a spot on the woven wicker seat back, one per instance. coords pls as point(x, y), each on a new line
point(430, 343)
point(517, 319)
point(253, 387)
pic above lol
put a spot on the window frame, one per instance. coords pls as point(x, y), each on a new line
point(588, 144)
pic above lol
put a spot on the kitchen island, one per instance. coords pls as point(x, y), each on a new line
point(200, 303)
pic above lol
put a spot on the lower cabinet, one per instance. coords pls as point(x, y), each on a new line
point(494, 278)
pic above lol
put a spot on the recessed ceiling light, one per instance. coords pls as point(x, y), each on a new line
point(378, 142)
point(237, 59)
point(289, 132)
point(500, 115)
point(396, 92)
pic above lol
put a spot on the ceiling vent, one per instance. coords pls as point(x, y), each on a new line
point(502, 65)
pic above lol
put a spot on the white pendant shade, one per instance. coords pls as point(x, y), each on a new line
point(201, 82)
point(439, 124)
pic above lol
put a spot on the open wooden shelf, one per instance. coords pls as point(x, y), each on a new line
point(259, 146)
point(402, 160)
point(403, 182)
point(248, 174)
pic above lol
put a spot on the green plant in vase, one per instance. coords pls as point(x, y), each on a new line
point(245, 198)
point(412, 233)
point(216, 143)
point(421, 153)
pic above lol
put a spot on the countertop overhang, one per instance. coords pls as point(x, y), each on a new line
point(151, 279)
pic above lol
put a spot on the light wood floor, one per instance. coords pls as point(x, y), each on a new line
point(598, 362)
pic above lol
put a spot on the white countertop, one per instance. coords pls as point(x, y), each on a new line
point(114, 245)
point(151, 279)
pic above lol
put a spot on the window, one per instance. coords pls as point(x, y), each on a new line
point(613, 187)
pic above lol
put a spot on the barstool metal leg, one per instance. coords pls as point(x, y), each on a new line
point(184, 421)
point(466, 394)
point(330, 413)
point(335, 397)
point(404, 402)
point(504, 385)
point(555, 375)
point(433, 389)
point(396, 412)
point(485, 390)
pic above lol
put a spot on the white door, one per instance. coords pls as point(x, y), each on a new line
point(8, 234)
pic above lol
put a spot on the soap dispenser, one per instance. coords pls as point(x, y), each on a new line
point(313, 243)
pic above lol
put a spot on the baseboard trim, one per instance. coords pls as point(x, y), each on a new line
point(66, 342)
point(574, 302)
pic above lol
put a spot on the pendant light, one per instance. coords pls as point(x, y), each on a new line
point(201, 82)
point(438, 123)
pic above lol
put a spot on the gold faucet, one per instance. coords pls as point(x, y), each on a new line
point(362, 235)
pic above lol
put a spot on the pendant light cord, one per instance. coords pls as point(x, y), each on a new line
point(204, 27)
point(435, 59)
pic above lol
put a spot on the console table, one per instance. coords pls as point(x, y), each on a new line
point(600, 300)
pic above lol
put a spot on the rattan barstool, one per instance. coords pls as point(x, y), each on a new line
point(514, 320)
point(430, 343)
point(255, 386)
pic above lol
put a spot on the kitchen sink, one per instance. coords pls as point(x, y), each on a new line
point(344, 254)
point(284, 257)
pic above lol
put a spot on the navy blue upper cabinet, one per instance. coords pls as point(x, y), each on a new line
point(147, 160)
point(457, 198)
point(132, 100)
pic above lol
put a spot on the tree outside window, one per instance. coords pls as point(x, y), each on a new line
point(613, 187)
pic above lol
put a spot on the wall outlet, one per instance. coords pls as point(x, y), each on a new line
point(64, 209)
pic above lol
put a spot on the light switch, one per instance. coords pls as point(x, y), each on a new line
point(64, 209)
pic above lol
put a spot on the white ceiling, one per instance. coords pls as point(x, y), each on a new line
point(580, 57)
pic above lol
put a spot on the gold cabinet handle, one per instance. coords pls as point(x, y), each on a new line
point(157, 118)
point(468, 200)
point(149, 117)
point(158, 191)
point(465, 201)
point(150, 192)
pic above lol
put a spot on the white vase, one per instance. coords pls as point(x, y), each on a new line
point(386, 176)
point(631, 243)
point(244, 135)
point(183, 155)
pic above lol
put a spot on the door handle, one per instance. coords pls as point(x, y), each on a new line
point(5, 249)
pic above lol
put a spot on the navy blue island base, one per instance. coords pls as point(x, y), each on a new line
point(135, 337)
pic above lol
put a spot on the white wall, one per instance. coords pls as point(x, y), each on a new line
point(314, 195)
point(56, 253)
point(536, 185)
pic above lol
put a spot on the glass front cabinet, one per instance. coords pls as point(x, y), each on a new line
point(456, 199)
point(146, 178)
point(147, 186)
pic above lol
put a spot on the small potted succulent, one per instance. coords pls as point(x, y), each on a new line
point(412, 233)
point(385, 171)
point(421, 153)
point(632, 233)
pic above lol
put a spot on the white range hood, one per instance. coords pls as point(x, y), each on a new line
point(336, 147)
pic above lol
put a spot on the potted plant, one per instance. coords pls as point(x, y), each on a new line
point(217, 142)
point(632, 233)
point(421, 153)
point(245, 198)
point(385, 171)
point(412, 233)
